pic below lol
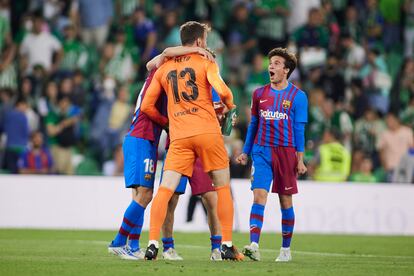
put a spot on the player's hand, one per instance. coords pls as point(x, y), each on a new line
point(242, 159)
point(234, 119)
point(206, 54)
point(301, 168)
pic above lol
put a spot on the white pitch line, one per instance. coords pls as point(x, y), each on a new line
point(328, 254)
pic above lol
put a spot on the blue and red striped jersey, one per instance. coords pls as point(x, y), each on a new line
point(36, 160)
point(274, 115)
point(142, 126)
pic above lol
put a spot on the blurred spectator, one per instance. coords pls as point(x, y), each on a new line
point(118, 120)
point(377, 81)
point(404, 172)
point(313, 33)
point(409, 28)
point(332, 161)
point(352, 26)
point(61, 130)
point(311, 41)
point(373, 24)
point(359, 99)
point(354, 57)
point(115, 166)
point(336, 117)
point(407, 114)
point(300, 12)
point(48, 103)
point(393, 143)
point(332, 80)
point(16, 128)
point(365, 173)
point(5, 104)
point(216, 44)
point(331, 23)
point(75, 54)
point(391, 11)
point(367, 130)
point(117, 60)
point(145, 38)
point(316, 125)
point(169, 31)
point(240, 38)
point(79, 92)
point(272, 24)
point(94, 18)
point(258, 75)
point(38, 48)
point(37, 158)
point(404, 88)
point(8, 74)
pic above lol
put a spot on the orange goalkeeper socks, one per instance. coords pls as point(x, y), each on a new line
point(225, 212)
point(159, 211)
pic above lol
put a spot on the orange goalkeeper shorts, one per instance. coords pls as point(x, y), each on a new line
point(208, 147)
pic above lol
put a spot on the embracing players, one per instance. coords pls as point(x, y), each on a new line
point(276, 141)
point(194, 132)
point(140, 148)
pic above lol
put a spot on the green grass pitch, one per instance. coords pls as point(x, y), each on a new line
point(50, 252)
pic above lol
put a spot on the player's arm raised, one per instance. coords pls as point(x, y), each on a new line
point(251, 132)
point(149, 101)
point(218, 84)
point(170, 52)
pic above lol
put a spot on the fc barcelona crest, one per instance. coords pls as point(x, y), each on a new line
point(286, 104)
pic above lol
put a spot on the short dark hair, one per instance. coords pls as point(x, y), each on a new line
point(290, 58)
point(191, 31)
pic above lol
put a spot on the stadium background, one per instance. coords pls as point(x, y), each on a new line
point(70, 72)
point(355, 63)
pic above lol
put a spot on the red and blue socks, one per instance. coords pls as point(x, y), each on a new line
point(135, 234)
point(288, 222)
point(256, 222)
point(132, 216)
point(168, 243)
point(215, 242)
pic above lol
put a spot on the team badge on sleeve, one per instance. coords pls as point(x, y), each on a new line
point(286, 104)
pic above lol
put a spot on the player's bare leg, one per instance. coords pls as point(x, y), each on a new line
point(225, 212)
point(169, 252)
point(170, 181)
point(256, 223)
point(210, 203)
point(288, 222)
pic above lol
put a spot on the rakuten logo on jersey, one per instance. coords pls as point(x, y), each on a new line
point(273, 115)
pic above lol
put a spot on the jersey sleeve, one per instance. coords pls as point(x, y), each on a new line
point(252, 129)
point(301, 108)
point(218, 84)
point(215, 96)
point(150, 100)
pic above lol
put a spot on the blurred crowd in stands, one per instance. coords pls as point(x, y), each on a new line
point(71, 70)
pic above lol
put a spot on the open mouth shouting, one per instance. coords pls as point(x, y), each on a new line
point(272, 75)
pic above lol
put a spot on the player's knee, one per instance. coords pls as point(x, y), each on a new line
point(260, 196)
point(144, 197)
point(209, 200)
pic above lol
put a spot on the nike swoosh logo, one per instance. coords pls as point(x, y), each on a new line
point(262, 101)
point(288, 188)
point(152, 252)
